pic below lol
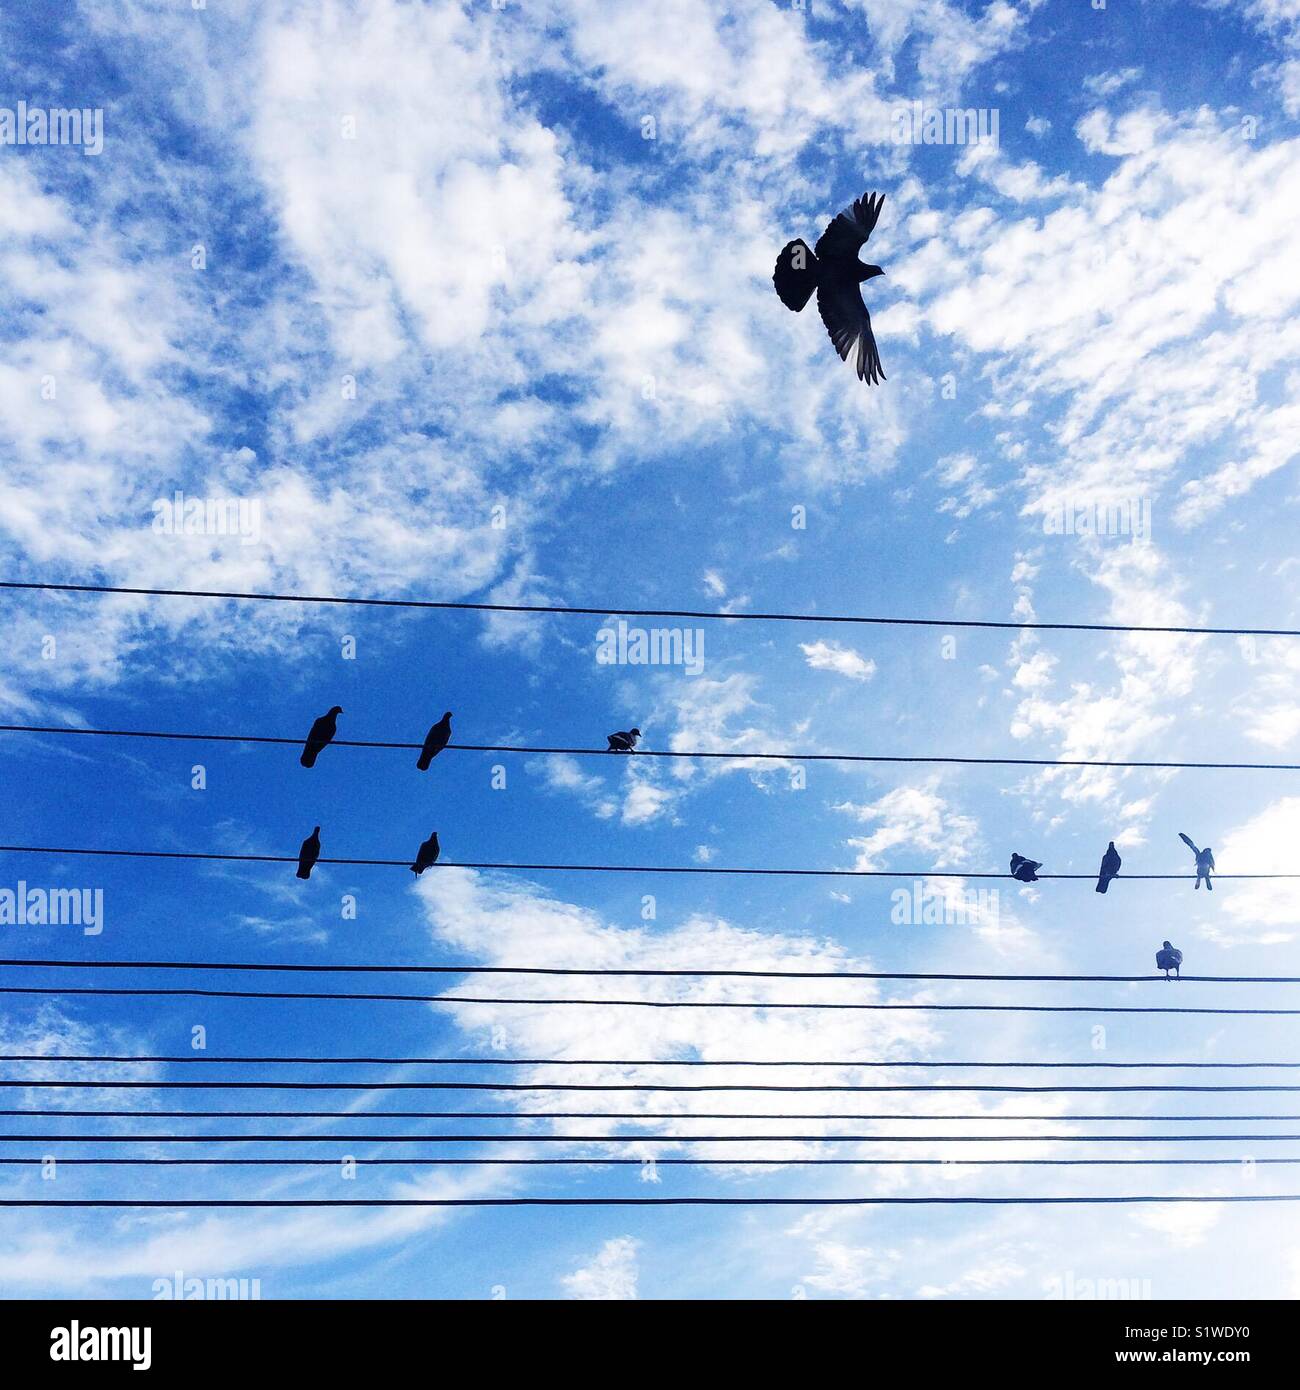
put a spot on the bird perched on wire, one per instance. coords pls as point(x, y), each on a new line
point(434, 742)
point(309, 854)
point(624, 742)
point(1169, 958)
point(1204, 862)
point(833, 269)
point(1026, 870)
point(427, 855)
point(1110, 862)
point(322, 731)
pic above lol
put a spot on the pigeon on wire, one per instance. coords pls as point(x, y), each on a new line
point(322, 731)
point(1204, 862)
point(309, 854)
point(434, 742)
point(1110, 862)
point(835, 272)
point(1169, 958)
point(1026, 870)
point(623, 742)
point(427, 856)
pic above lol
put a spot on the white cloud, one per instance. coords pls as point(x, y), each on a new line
point(834, 656)
point(1183, 1225)
point(1105, 84)
point(847, 1271)
point(611, 1274)
point(1265, 912)
point(913, 818)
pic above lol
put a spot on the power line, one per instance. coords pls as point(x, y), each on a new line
point(599, 612)
point(608, 1115)
point(596, 868)
point(603, 1162)
point(46, 1083)
point(337, 997)
point(605, 1062)
point(536, 750)
point(649, 1138)
point(345, 968)
point(629, 1201)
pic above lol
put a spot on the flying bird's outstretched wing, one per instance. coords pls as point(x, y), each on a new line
point(849, 230)
point(839, 302)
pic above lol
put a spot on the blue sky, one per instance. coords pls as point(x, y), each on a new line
point(410, 277)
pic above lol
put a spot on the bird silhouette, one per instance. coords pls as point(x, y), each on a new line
point(835, 272)
point(434, 742)
point(1110, 862)
point(427, 855)
point(309, 854)
point(624, 742)
point(1204, 862)
point(1169, 958)
point(1026, 870)
point(322, 731)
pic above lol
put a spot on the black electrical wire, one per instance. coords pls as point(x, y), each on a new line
point(226, 1202)
point(461, 606)
point(649, 1138)
point(634, 1003)
point(537, 750)
point(639, 1162)
point(626, 971)
point(59, 1114)
point(597, 868)
point(46, 1083)
point(603, 1062)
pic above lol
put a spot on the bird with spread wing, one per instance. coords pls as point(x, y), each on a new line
point(833, 269)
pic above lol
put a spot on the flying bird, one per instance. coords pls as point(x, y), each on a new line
point(427, 856)
point(309, 854)
point(1204, 862)
point(1026, 870)
point(1169, 958)
point(835, 272)
point(1110, 862)
point(322, 731)
point(434, 742)
point(624, 742)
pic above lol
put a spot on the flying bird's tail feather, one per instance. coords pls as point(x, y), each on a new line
point(795, 276)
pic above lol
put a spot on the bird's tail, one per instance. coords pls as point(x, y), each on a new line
point(308, 758)
point(795, 276)
point(423, 761)
point(416, 870)
point(1187, 840)
point(304, 873)
point(1102, 884)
